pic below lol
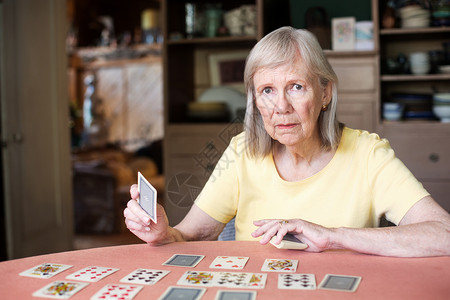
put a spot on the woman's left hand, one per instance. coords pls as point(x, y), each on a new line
point(318, 238)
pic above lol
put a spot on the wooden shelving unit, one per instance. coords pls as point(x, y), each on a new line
point(423, 145)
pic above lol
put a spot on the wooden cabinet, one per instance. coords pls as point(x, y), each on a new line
point(358, 89)
point(424, 149)
point(422, 144)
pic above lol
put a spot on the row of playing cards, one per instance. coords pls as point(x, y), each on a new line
point(232, 263)
point(89, 274)
point(308, 282)
point(223, 279)
point(66, 289)
point(95, 273)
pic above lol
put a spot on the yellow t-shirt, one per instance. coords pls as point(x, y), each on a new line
point(363, 181)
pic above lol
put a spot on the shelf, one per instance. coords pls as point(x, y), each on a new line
point(417, 126)
point(332, 53)
point(406, 31)
point(224, 39)
point(410, 77)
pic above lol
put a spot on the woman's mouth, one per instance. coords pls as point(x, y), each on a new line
point(286, 126)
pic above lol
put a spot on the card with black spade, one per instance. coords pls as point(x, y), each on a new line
point(145, 276)
point(340, 283)
point(297, 281)
point(147, 196)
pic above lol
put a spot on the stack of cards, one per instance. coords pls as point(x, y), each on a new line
point(182, 293)
point(236, 295)
point(340, 283)
point(184, 260)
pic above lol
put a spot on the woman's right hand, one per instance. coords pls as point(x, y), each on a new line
point(139, 223)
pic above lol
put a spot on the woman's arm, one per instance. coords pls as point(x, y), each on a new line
point(197, 225)
point(423, 231)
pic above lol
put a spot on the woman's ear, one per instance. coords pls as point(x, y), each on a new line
point(327, 94)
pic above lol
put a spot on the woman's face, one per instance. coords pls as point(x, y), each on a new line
point(290, 102)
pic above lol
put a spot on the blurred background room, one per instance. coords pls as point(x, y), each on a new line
point(93, 91)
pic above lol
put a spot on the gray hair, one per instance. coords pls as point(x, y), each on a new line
point(281, 47)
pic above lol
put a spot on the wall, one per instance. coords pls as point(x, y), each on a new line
point(343, 8)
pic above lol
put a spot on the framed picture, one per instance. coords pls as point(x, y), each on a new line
point(343, 32)
point(227, 69)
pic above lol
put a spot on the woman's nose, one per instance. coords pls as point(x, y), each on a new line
point(283, 104)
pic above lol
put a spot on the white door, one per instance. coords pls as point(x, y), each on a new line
point(35, 132)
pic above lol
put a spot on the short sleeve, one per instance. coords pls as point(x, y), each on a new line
point(395, 189)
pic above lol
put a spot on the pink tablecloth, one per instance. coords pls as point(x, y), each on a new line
point(382, 277)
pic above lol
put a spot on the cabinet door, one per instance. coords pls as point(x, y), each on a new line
point(426, 154)
point(357, 90)
point(35, 127)
point(356, 114)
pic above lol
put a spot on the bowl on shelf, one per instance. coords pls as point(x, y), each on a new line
point(441, 97)
point(393, 111)
point(414, 16)
point(442, 112)
point(420, 63)
point(445, 69)
point(441, 106)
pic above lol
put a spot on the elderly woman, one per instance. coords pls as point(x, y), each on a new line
point(295, 169)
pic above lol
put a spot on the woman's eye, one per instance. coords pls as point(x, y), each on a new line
point(297, 87)
point(267, 91)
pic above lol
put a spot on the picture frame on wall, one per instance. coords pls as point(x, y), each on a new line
point(343, 33)
point(227, 69)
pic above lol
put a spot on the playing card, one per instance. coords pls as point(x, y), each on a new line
point(45, 270)
point(60, 289)
point(297, 281)
point(289, 241)
point(340, 283)
point(184, 260)
point(117, 291)
point(144, 276)
point(279, 265)
point(147, 197)
point(197, 278)
point(240, 280)
point(92, 273)
point(182, 293)
point(235, 295)
point(229, 262)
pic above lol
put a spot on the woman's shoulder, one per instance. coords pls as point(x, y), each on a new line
point(237, 143)
point(362, 138)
